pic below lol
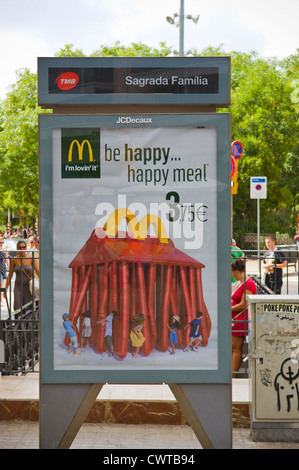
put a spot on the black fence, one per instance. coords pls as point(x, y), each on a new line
point(21, 341)
point(19, 315)
point(255, 262)
point(290, 273)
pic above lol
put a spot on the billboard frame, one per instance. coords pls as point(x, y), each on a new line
point(221, 122)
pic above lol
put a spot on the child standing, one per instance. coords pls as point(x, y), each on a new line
point(136, 335)
point(70, 331)
point(86, 333)
point(194, 332)
point(173, 334)
point(109, 331)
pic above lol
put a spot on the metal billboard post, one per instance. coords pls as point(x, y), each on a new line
point(258, 190)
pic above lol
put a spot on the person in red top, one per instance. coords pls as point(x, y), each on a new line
point(239, 311)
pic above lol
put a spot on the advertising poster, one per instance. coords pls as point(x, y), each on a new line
point(134, 213)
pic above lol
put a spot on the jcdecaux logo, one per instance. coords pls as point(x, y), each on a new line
point(67, 80)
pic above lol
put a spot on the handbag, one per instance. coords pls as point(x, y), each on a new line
point(34, 290)
point(296, 237)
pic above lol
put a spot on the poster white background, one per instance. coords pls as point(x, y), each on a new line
point(78, 207)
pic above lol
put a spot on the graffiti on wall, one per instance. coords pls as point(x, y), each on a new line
point(286, 385)
point(277, 354)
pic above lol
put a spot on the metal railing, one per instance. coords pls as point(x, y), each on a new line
point(21, 341)
point(19, 327)
point(254, 267)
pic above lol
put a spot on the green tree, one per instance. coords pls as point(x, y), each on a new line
point(135, 49)
point(265, 121)
point(67, 51)
point(19, 145)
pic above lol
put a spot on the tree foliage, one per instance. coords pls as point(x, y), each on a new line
point(19, 145)
point(68, 51)
point(264, 108)
point(265, 121)
point(135, 49)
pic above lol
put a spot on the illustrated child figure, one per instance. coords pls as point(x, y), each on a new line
point(70, 331)
point(109, 331)
point(173, 334)
point(194, 332)
point(136, 335)
point(86, 333)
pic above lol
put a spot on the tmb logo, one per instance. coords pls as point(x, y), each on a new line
point(67, 80)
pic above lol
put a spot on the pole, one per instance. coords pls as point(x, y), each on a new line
point(258, 233)
point(258, 226)
point(232, 222)
point(181, 48)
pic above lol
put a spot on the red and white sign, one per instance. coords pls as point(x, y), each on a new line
point(67, 81)
point(237, 149)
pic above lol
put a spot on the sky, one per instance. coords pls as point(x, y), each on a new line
point(39, 28)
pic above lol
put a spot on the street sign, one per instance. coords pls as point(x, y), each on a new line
point(258, 187)
point(237, 149)
point(236, 153)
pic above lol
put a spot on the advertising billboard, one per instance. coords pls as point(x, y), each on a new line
point(135, 286)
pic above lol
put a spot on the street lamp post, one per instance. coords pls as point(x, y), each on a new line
point(180, 23)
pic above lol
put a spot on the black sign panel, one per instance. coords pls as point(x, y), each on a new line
point(194, 80)
point(134, 80)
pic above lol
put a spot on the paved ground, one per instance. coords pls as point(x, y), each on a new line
point(25, 435)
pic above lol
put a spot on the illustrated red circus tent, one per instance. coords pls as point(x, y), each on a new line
point(134, 276)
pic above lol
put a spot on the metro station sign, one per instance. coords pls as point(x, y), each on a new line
point(134, 80)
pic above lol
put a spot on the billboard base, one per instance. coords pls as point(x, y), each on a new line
point(64, 408)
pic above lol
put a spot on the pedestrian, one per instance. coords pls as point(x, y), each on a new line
point(236, 253)
point(30, 242)
point(24, 268)
point(296, 237)
point(239, 311)
point(3, 265)
point(274, 262)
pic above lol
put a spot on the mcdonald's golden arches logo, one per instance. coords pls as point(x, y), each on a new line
point(138, 229)
point(80, 153)
point(80, 148)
